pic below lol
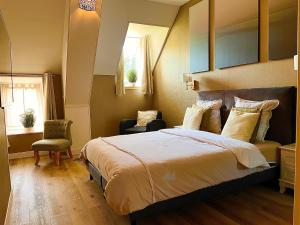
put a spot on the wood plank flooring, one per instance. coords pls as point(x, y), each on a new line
point(64, 195)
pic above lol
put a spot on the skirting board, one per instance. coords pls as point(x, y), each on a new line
point(8, 208)
point(21, 155)
point(29, 154)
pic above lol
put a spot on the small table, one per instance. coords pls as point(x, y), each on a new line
point(287, 168)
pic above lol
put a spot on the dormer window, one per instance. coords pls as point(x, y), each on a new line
point(133, 62)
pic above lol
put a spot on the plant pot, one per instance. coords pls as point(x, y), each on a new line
point(28, 129)
point(133, 84)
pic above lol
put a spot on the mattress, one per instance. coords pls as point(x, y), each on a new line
point(270, 150)
point(143, 169)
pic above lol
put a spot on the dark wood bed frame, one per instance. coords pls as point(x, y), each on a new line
point(282, 130)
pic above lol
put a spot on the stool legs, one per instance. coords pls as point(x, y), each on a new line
point(37, 157)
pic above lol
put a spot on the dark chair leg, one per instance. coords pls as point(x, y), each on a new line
point(57, 158)
point(91, 177)
point(70, 153)
point(37, 157)
point(50, 154)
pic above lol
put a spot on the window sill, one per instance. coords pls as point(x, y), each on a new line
point(22, 131)
point(133, 88)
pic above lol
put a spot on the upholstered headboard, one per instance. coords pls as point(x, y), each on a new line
point(283, 122)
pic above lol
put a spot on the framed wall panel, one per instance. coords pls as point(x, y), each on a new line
point(237, 32)
point(199, 37)
point(283, 29)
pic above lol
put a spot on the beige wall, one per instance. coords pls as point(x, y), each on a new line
point(5, 186)
point(107, 109)
point(80, 45)
point(22, 142)
point(297, 185)
point(170, 94)
point(36, 32)
point(5, 48)
point(83, 29)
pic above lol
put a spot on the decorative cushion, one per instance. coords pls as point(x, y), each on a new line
point(145, 117)
point(211, 121)
point(266, 108)
point(240, 124)
point(193, 117)
point(51, 145)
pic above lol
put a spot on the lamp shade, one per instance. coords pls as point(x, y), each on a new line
point(88, 5)
point(296, 62)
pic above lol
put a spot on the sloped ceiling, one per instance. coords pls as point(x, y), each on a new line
point(171, 2)
point(115, 18)
point(36, 32)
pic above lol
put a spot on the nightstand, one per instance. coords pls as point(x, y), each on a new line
point(287, 167)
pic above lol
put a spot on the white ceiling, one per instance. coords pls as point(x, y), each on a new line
point(171, 2)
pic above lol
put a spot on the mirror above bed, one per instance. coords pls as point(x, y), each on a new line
point(237, 32)
point(199, 37)
point(283, 29)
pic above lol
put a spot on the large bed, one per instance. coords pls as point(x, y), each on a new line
point(143, 173)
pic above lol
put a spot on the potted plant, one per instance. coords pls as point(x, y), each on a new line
point(28, 119)
point(132, 77)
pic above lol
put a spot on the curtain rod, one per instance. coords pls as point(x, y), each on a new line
point(23, 75)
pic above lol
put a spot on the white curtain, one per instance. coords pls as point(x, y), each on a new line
point(120, 87)
point(147, 79)
point(50, 112)
point(26, 96)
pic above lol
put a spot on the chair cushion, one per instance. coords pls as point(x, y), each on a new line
point(135, 130)
point(51, 145)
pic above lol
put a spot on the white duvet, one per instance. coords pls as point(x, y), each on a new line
point(145, 168)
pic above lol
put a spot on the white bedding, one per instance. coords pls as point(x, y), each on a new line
point(145, 168)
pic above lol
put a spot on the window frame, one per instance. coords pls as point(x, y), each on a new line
point(21, 83)
point(139, 84)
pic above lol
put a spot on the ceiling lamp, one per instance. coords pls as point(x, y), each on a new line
point(88, 5)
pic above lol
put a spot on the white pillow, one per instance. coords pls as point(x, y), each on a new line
point(211, 121)
point(266, 108)
point(193, 117)
point(145, 117)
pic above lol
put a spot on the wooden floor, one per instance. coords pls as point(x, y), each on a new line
point(64, 195)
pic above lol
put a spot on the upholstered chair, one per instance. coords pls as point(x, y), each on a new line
point(127, 126)
point(57, 139)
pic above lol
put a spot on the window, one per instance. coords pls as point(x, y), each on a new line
point(28, 94)
point(132, 53)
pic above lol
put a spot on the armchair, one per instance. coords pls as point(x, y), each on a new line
point(127, 126)
point(57, 138)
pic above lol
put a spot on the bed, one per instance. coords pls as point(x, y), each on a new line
point(144, 173)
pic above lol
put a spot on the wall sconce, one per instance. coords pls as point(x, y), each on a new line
point(296, 62)
point(88, 5)
point(188, 80)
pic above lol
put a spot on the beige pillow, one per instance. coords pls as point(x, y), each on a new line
point(240, 125)
point(211, 121)
point(266, 108)
point(145, 117)
point(193, 117)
